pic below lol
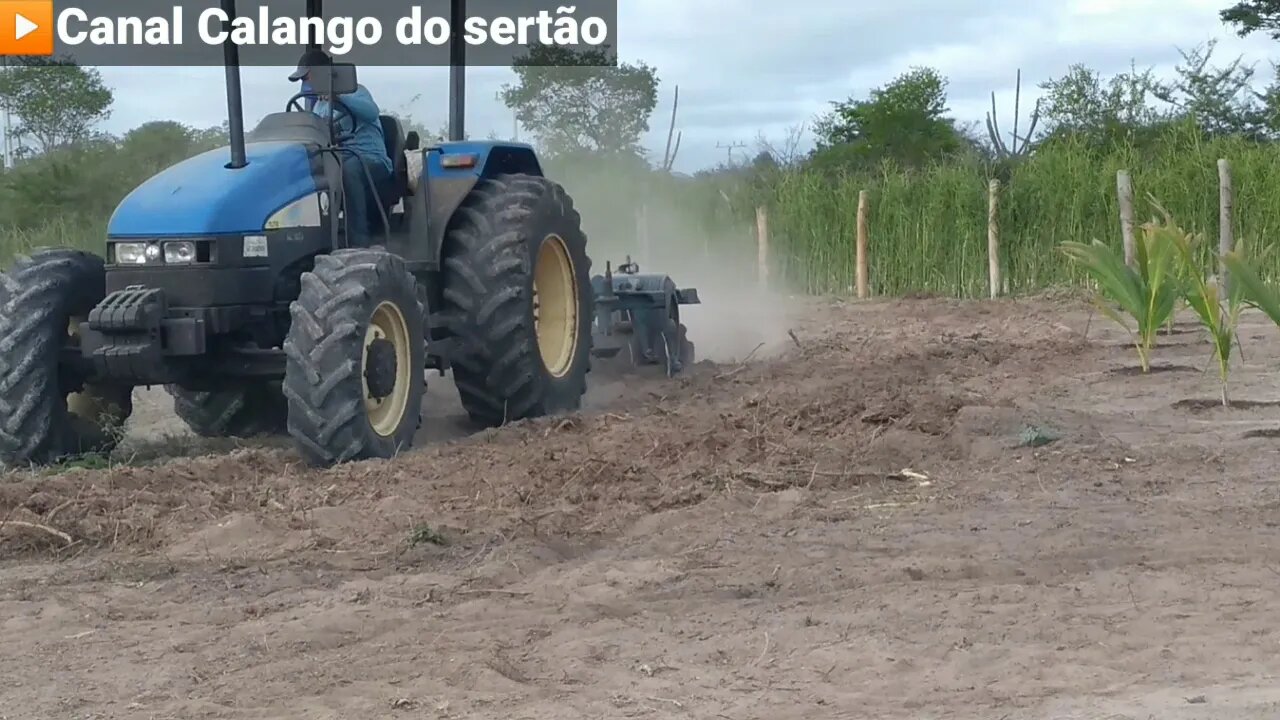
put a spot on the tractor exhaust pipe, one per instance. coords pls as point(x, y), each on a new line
point(235, 104)
point(457, 70)
point(315, 9)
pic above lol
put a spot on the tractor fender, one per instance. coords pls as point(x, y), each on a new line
point(647, 290)
point(657, 287)
point(447, 177)
point(641, 299)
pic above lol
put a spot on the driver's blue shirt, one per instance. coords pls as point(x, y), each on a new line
point(368, 140)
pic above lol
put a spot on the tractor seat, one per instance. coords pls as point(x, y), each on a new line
point(393, 134)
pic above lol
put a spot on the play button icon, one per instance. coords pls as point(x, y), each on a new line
point(26, 27)
point(22, 26)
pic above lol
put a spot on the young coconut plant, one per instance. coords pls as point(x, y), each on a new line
point(1220, 316)
point(1244, 279)
point(1148, 293)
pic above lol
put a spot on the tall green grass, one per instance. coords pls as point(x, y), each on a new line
point(57, 232)
point(928, 228)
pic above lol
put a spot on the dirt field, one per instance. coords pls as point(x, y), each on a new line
point(913, 509)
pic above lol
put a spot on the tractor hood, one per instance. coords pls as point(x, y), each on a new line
point(201, 196)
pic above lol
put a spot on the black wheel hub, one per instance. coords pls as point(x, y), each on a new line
point(380, 368)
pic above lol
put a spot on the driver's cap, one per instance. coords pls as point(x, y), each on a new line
point(310, 59)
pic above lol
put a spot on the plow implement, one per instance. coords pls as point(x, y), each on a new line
point(637, 320)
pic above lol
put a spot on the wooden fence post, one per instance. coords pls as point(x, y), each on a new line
point(861, 261)
point(1226, 233)
point(993, 237)
point(1124, 193)
point(762, 246)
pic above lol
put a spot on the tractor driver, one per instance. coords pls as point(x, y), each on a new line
point(364, 150)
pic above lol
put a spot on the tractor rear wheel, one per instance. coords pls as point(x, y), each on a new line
point(518, 300)
point(245, 411)
point(355, 358)
point(48, 412)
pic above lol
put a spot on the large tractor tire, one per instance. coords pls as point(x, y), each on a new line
point(518, 300)
point(48, 412)
point(355, 358)
point(248, 410)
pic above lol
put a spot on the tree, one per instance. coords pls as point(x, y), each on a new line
point(156, 145)
point(1270, 103)
point(1249, 16)
point(573, 101)
point(784, 154)
point(55, 101)
point(1221, 100)
point(211, 137)
point(904, 120)
point(1081, 104)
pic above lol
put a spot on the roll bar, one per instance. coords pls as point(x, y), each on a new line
point(315, 8)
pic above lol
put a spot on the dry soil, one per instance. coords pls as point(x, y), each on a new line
point(907, 509)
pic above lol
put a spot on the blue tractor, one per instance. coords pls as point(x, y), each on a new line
point(227, 279)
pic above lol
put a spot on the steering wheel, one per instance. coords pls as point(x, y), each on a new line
point(340, 110)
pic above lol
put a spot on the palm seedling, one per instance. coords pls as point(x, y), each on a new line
point(1147, 293)
point(1219, 315)
point(1245, 280)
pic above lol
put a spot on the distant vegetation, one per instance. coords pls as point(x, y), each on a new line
point(926, 172)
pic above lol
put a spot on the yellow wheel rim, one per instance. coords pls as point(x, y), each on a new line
point(555, 306)
point(385, 413)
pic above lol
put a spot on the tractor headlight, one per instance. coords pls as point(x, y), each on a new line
point(131, 253)
point(179, 252)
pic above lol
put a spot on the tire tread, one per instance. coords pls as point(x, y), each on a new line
point(37, 296)
point(486, 275)
point(323, 354)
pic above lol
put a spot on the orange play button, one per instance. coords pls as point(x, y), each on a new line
point(26, 27)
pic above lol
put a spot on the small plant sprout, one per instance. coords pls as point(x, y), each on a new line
point(426, 535)
point(1148, 293)
point(1219, 315)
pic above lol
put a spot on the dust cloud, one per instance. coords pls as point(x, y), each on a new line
point(738, 319)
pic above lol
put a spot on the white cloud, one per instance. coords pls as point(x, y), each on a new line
point(743, 71)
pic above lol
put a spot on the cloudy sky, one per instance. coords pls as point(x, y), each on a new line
point(743, 71)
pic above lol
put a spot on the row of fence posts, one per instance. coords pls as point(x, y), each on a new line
point(997, 283)
point(1226, 214)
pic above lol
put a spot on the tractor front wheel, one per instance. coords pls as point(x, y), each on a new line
point(48, 409)
point(355, 358)
point(518, 299)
